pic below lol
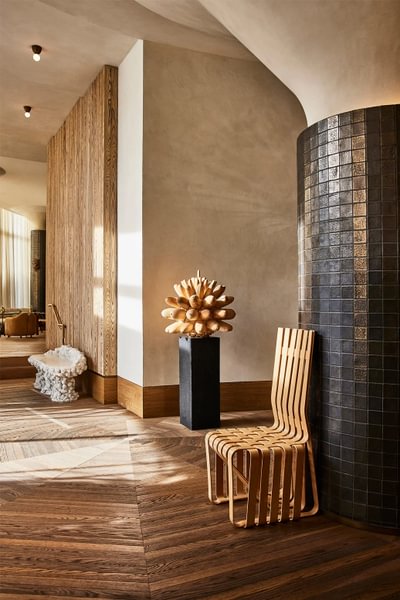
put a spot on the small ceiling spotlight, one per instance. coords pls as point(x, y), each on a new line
point(36, 52)
point(27, 111)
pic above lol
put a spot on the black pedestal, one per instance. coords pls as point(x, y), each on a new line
point(199, 382)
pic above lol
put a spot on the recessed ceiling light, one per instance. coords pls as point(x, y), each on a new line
point(27, 111)
point(36, 52)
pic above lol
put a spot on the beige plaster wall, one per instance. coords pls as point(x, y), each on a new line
point(219, 195)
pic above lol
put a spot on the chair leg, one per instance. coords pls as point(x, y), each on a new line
point(285, 484)
point(275, 479)
point(314, 490)
point(209, 477)
point(264, 487)
point(220, 471)
point(253, 477)
point(217, 478)
point(253, 486)
point(298, 482)
point(216, 495)
point(242, 466)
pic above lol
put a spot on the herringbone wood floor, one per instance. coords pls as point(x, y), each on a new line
point(96, 503)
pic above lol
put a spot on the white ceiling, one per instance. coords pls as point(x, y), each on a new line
point(78, 37)
point(335, 55)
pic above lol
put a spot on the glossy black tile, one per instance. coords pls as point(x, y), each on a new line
point(352, 253)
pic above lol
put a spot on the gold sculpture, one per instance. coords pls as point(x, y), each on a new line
point(199, 310)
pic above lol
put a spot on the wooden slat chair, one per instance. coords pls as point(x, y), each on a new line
point(266, 466)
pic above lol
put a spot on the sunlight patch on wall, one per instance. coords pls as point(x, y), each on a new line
point(98, 302)
point(98, 252)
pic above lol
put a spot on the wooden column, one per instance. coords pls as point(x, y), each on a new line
point(81, 225)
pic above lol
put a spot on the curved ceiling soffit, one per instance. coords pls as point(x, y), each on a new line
point(133, 19)
point(335, 56)
point(189, 13)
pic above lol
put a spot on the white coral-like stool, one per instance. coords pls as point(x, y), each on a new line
point(56, 372)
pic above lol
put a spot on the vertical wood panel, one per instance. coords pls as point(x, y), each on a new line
point(110, 221)
point(81, 225)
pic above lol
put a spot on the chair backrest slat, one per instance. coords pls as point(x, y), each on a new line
point(295, 380)
point(308, 353)
point(278, 378)
point(275, 378)
point(290, 381)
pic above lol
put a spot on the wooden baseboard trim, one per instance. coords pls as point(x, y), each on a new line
point(130, 396)
point(246, 395)
point(163, 400)
point(102, 389)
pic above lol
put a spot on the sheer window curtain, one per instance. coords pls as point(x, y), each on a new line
point(15, 261)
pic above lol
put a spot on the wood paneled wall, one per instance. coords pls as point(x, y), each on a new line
point(81, 225)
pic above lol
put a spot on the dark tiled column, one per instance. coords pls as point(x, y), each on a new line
point(349, 178)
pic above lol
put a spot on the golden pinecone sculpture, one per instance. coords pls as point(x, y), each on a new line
point(199, 310)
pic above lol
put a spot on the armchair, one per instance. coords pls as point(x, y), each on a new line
point(23, 324)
